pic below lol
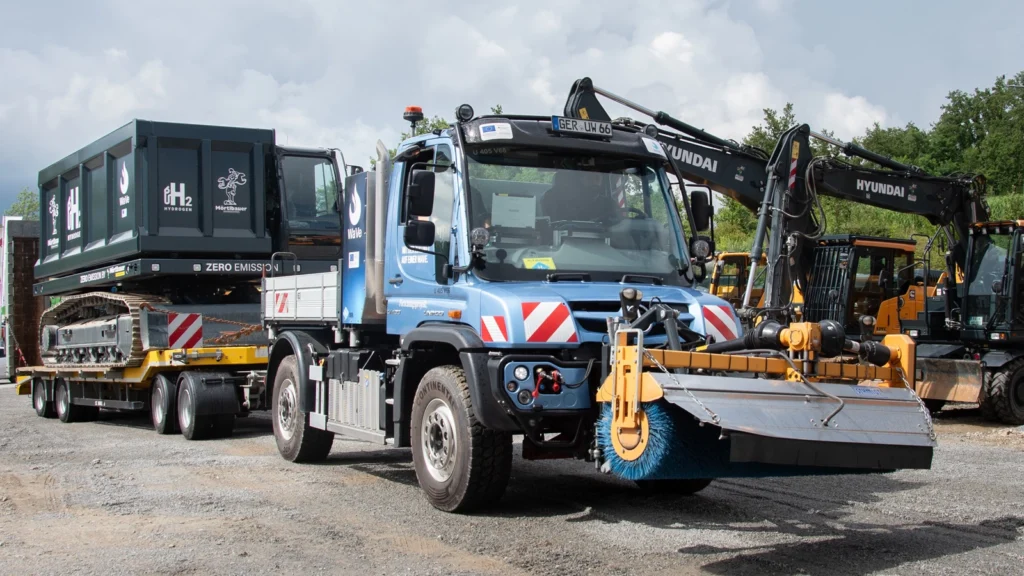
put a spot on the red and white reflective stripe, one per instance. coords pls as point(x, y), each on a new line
point(621, 197)
point(184, 330)
point(281, 302)
point(492, 329)
point(548, 322)
point(792, 165)
point(720, 323)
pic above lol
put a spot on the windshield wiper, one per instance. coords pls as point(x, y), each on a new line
point(640, 278)
point(556, 276)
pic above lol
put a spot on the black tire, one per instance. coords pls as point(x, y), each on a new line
point(297, 441)
point(473, 472)
point(687, 487)
point(44, 408)
point(985, 404)
point(163, 405)
point(192, 426)
point(67, 412)
point(1005, 393)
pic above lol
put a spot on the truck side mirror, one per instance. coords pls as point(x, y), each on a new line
point(700, 205)
point(419, 196)
point(419, 233)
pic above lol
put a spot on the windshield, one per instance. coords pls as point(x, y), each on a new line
point(555, 213)
point(987, 265)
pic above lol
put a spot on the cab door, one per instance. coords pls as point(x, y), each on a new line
point(417, 290)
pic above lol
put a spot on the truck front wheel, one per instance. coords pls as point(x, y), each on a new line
point(460, 465)
point(297, 441)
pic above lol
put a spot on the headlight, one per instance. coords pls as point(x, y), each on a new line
point(701, 249)
point(521, 373)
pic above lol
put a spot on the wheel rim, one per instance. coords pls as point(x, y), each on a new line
point(287, 409)
point(184, 414)
point(40, 403)
point(157, 403)
point(439, 441)
point(62, 399)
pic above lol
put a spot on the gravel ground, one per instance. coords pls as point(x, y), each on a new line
point(113, 497)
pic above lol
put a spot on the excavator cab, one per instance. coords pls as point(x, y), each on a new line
point(729, 275)
point(860, 281)
point(993, 310)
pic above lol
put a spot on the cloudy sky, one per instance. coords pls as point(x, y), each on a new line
point(338, 73)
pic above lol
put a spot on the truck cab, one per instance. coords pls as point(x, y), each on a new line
point(485, 261)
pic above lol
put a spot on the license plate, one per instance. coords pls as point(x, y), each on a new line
point(577, 126)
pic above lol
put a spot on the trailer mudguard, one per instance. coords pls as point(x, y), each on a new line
point(298, 343)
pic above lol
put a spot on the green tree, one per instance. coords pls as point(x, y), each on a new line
point(26, 205)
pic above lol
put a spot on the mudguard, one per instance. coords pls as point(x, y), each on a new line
point(297, 343)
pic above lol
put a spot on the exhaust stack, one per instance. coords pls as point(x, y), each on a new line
point(375, 243)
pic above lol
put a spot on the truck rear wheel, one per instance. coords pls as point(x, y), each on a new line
point(163, 405)
point(460, 465)
point(205, 403)
point(297, 441)
point(1004, 394)
point(44, 408)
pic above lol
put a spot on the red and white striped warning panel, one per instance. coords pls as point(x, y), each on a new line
point(492, 329)
point(720, 323)
point(548, 322)
point(283, 303)
point(184, 330)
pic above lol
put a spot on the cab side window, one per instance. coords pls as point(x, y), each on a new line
point(436, 159)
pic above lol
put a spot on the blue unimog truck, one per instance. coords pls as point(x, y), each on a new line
point(535, 276)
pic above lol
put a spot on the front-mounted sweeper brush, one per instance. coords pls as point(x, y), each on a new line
point(778, 402)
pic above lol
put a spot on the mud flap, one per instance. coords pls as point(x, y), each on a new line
point(776, 427)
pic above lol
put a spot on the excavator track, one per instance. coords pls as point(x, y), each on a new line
point(83, 306)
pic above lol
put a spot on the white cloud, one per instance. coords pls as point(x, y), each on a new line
point(849, 116)
point(340, 73)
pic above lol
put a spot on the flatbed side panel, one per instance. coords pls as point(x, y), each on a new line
point(301, 298)
point(157, 361)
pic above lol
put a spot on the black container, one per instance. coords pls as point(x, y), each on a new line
point(157, 190)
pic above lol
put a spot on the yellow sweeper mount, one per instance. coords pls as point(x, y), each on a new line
point(768, 404)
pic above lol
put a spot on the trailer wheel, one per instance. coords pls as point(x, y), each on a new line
point(192, 425)
point(44, 408)
point(297, 441)
point(67, 412)
point(163, 405)
point(681, 487)
point(460, 465)
point(1005, 393)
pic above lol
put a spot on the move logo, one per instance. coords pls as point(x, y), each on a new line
point(124, 199)
point(880, 188)
point(692, 158)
